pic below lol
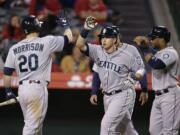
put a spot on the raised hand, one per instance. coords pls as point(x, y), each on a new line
point(90, 23)
point(62, 19)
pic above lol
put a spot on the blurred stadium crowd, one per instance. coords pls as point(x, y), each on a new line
point(70, 60)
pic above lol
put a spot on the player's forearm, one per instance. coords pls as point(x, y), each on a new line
point(82, 39)
point(7, 81)
point(144, 84)
point(89, 24)
point(68, 33)
point(80, 42)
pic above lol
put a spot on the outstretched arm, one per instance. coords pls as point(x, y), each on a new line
point(62, 21)
point(69, 35)
point(89, 24)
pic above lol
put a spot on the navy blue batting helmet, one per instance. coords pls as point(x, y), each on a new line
point(31, 24)
point(108, 32)
point(116, 28)
point(160, 32)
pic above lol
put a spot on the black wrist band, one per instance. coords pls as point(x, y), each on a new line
point(66, 26)
point(84, 33)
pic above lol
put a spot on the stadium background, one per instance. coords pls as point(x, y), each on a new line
point(70, 112)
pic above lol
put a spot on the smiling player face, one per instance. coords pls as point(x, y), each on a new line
point(108, 43)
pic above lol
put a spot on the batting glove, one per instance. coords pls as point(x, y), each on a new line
point(62, 20)
point(90, 23)
point(10, 94)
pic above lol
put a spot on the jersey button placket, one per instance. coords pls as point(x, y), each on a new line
point(107, 74)
point(106, 78)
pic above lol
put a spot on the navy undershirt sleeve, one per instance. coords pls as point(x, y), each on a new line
point(87, 50)
point(143, 83)
point(66, 42)
point(95, 83)
point(8, 71)
point(156, 63)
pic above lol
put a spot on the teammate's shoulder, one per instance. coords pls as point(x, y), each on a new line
point(15, 45)
point(94, 45)
point(51, 36)
point(48, 37)
point(169, 51)
point(129, 46)
point(173, 50)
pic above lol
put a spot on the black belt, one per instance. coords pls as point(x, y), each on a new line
point(160, 92)
point(111, 93)
point(30, 81)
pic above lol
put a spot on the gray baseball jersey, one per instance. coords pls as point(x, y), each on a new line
point(164, 118)
point(129, 128)
point(32, 58)
point(162, 79)
point(115, 68)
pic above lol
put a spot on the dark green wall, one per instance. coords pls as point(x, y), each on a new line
point(69, 113)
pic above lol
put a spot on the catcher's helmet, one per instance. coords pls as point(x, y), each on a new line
point(31, 24)
point(160, 32)
point(108, 32)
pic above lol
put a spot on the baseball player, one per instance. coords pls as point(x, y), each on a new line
point(163, 59)
point(31, 59)
point(96, 84)
point(114, 67)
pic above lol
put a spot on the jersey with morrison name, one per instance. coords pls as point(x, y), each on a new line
point(31, 58)
point(114, 69)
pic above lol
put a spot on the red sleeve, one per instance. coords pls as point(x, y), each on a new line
point(102, 6)
point(19, 34)
point(5, 32)
point(53, 5)
point(81, 5)
point(32, 6)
